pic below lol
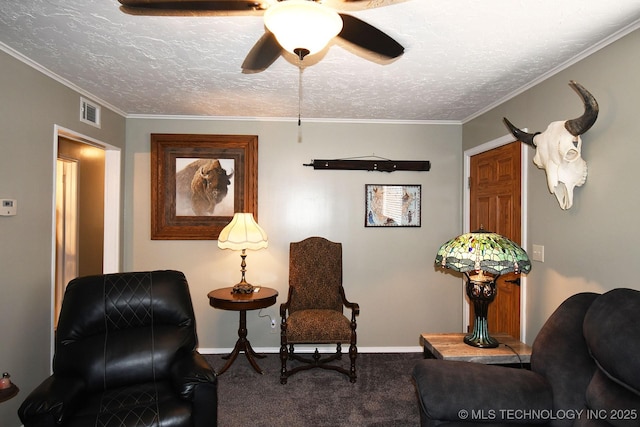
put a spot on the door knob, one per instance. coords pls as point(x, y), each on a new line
point(514, 281)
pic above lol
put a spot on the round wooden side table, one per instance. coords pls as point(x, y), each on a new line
point(225, 299)
point(8, 393)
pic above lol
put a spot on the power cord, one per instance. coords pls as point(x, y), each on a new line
point(516, 353)
point(272, 321)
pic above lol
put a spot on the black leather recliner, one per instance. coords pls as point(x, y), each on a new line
point(125, 355)
point(585, 371)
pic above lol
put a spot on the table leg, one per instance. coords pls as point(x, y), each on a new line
point(243, 345)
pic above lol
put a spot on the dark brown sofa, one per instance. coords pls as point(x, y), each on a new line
point(585, 372)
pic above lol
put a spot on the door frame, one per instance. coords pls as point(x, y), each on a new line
point(112, 183)
point(466, 209)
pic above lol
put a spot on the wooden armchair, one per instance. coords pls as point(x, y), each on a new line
point(313, 313)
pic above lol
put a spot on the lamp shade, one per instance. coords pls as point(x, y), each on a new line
point(243, 232)
point(302, 25)
point(483, 251)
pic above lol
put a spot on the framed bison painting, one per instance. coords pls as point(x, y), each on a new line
point(199, 181)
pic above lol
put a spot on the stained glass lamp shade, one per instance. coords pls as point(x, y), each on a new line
point(475, 254)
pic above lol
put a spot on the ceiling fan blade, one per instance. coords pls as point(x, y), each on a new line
point(262, 54)
point(367, 36)
point(356, 5)
point(193, 7)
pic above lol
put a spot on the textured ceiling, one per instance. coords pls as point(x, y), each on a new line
point(461, 57)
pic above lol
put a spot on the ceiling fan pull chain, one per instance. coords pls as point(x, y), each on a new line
point(299, 93)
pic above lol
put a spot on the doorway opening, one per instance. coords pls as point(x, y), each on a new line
point(86, 211)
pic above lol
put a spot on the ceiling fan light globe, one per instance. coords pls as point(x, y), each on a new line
point(302, 24)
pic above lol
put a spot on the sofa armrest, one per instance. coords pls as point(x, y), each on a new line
point(191, 371)
point(473, 392)
point(50, 402)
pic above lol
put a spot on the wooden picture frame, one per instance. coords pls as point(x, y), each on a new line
point(388, 205)
point(199, 181)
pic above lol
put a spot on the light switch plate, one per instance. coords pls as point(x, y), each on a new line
point(8, 207)
point(538, 253)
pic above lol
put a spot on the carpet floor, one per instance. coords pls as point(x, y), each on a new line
point(383, 395)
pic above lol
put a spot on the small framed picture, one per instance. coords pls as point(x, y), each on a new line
point(392, 205)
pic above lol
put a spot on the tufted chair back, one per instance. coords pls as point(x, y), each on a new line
point(315, 274)
point(124, 328)
point(125, 356)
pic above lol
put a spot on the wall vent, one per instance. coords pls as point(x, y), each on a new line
point(89, 113)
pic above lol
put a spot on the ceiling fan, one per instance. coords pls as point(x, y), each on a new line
point(268, 48)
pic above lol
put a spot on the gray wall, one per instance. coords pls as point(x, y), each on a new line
point(592, 246)
point(30, 106)
point(389, 272)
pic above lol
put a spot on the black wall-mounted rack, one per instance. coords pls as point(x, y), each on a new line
point(382, 165)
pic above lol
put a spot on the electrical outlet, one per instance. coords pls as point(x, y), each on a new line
point(273, 323)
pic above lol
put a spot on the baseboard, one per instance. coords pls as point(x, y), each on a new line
point(321, 349)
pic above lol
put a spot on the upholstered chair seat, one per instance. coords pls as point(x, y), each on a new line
point(319, 326)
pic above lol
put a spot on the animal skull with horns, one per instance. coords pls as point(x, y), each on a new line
point(559, 148)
